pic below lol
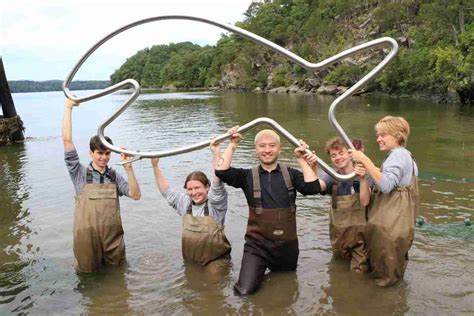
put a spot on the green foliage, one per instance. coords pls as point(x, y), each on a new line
point(55, 85)
point(436, 53)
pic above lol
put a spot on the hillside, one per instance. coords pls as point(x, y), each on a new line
point(54, 85)
point(436, 55)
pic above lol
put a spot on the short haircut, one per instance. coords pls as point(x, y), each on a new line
point(334, 144)
point(267, 132)
point(396, 126)
point(198, 176)
point(96, 144)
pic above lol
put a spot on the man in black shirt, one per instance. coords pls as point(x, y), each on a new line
point(271, 240)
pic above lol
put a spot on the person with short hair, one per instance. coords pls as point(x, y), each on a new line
point(98, 233)
point(395, 202)
point(347, 215)
point(203, 207)
point(270, 188)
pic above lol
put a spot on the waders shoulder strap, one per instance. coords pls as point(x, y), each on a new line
point(257, 190)
point(289, 186)
point(334, 195)
point(190, 209)
point(88, 175)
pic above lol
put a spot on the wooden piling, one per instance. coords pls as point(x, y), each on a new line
point(11, 121)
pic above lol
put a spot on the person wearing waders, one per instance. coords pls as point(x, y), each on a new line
point(394, 202)
point(347, 215)
point(203, 207)
point(271, 239)
point(98, 233)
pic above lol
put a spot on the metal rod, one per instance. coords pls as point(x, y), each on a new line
point(381, 42)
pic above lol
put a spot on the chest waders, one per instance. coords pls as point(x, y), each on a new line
point(347, 227)
point(203, 239)
point(390, 231)
point(98, 232)
point(274, 224)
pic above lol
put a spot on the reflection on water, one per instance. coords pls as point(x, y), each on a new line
point(36, 204)
point(14, 228)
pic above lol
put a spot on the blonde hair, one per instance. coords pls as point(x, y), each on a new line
point(396, 126)
point(267, 132)
point(334, 144)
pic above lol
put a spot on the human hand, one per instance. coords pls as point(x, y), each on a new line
point(360, 170)
point(300, 151)
point(126, 159)
point(214, 146)
point(154, 162)
point(235, 137)
point(68, 103)
point(357, 155)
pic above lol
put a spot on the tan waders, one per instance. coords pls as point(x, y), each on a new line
point(98, 233)
point(390, 232)
point(203, 239)
point(347, 226)
point(271, 240)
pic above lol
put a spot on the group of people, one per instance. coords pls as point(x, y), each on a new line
point(371, 218)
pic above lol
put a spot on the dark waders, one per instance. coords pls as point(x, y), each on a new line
point(271, 240)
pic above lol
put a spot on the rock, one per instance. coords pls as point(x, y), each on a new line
point(329, 89)
point(310, 83)
point(341, 90)
point(279, 90)
point(293, 88)
point(170, 87)
point(257, 90)
point(452, 96)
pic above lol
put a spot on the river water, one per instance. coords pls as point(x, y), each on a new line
point(37, 275)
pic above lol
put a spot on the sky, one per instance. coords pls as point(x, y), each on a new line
point(44, 39)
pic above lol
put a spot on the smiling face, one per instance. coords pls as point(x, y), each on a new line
point(340, 157)
point(386, 141)
point(100, 158)
point(197, 191)
point(268, 148)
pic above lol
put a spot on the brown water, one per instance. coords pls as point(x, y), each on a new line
point(37, 275)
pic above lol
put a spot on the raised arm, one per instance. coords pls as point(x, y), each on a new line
point(225, 160)
point(67, 125)
point(364, 190)
point(161, 181)
point(216, 157)
point(134, 189)
point(307, 162)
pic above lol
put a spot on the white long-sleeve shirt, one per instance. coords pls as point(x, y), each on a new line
point(217, 202)
point(397, 170)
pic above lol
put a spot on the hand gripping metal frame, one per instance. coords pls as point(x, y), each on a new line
point(385, 41)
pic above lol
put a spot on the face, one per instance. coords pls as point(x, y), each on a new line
point(267, 149)
point(339, 157)
point(100, 158)
point(386, 141)
point(197, 191)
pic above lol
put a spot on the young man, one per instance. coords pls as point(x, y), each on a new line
point(98, 233)
point(347, 217)
point(270, 189)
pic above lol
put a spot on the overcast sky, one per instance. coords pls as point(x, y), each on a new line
point(44, 39)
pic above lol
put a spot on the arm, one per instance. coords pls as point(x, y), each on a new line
point(307, 162)
point(67, 125)
point(225, 161)
point(364, 190)
point(134, 189)
point(216, 156)
point(161, 181)
point(373, 170)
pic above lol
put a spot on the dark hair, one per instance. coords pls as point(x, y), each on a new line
point(198, 176)
point(96, 144)
point(357, 143)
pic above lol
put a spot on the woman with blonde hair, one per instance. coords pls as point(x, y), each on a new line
point(394, 201)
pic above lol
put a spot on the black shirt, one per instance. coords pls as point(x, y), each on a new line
point(274, 191)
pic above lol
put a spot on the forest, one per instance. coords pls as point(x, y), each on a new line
point(436, 55)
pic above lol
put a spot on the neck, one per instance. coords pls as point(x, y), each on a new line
point(269, 167)
point(100, 169)
point(347, 169)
